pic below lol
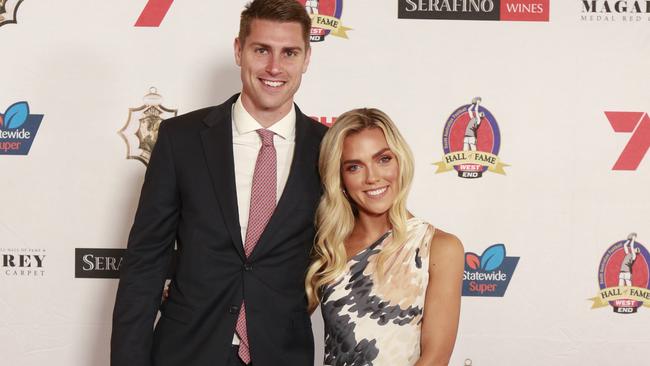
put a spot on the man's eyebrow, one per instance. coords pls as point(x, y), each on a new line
point(260, 44)
point(294, 48)
point(284, 49)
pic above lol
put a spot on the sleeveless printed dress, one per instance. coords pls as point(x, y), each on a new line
point(368, 323)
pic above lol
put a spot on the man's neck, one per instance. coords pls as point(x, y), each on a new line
point(266, 118)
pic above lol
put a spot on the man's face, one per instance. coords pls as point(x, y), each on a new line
point(272, 60)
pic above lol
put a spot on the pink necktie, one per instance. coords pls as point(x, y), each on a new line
point(263, 199)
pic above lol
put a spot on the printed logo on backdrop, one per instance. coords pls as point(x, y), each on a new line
point(505, 10)
point(18, 129)
point(106, 263)
point(607, 11)
point(471, 141)
point(141, 129)
point(153, 13)
point(327, 121)
point(98, 263)
point(22, 262)
point(638, 124)
point(325, 19)
point(9, 11)
point(623, 277)
point(489, 274)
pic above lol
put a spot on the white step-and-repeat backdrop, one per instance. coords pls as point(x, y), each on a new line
point(546, 205)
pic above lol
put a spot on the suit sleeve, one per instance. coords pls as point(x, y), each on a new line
point(146, 259)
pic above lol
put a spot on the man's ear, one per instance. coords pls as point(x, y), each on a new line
point(237, 48)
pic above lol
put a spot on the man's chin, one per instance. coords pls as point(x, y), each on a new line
point(273, 104)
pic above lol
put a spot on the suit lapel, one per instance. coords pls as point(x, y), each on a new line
point(217, 147)
point(293, 190)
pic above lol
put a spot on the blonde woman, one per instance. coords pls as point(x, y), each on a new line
point(388, 283)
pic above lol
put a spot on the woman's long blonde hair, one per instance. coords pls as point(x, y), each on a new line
point(335, 215)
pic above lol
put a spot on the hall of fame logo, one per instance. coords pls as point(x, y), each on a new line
point(325, 19)
point(623, 277)
point(471, 141)
point(9, 11)
point(141, 129)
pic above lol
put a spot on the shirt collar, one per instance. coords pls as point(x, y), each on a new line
point(245, 123)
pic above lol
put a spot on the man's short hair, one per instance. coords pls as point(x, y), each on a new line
point(275, 10)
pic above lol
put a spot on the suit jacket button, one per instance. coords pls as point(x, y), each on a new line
point(248, 267)
point(234, 309)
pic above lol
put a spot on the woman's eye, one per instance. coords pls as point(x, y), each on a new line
point(385, 159)
point(352, 168)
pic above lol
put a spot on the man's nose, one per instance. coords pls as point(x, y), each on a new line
point(273, 65)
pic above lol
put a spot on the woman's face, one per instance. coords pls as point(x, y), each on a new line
point(370, 171)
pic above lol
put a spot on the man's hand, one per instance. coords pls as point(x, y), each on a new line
point(165, 294)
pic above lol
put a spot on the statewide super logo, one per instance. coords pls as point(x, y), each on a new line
point(512, 10)
point(471, 141)
point(608, 11)
point(325, 18)
point(9, 11)
point(488, 274)
point(141, 129)
point(18, 129)
point(623, 277)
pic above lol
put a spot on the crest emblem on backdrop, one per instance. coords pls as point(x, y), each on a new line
point(326, 19)
point(624, 277)
point(9, 11)
point(141, 129)
point(471, 141)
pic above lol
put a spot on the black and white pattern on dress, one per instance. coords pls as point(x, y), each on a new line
point(356, 315)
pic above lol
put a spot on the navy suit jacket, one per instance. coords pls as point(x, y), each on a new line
point(189, 197)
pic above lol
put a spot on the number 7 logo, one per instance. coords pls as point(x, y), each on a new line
point(637, 123)
point(153, 13)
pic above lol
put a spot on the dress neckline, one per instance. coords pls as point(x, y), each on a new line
point(371, 246)
point(378, 241)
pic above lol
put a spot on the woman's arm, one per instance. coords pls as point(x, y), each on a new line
point(442, 301)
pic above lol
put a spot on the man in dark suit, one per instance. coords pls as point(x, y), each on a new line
point(236, 187)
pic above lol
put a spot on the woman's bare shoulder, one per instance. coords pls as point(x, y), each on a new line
point(444, 243)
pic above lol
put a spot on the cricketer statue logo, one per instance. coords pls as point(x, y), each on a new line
point(471, 141)
point(624, 277)
point(141, 129)
point(325, 19)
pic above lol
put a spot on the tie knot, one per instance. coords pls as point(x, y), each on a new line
point(266, 136)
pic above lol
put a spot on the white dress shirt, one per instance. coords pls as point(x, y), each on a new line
point(246, 146)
